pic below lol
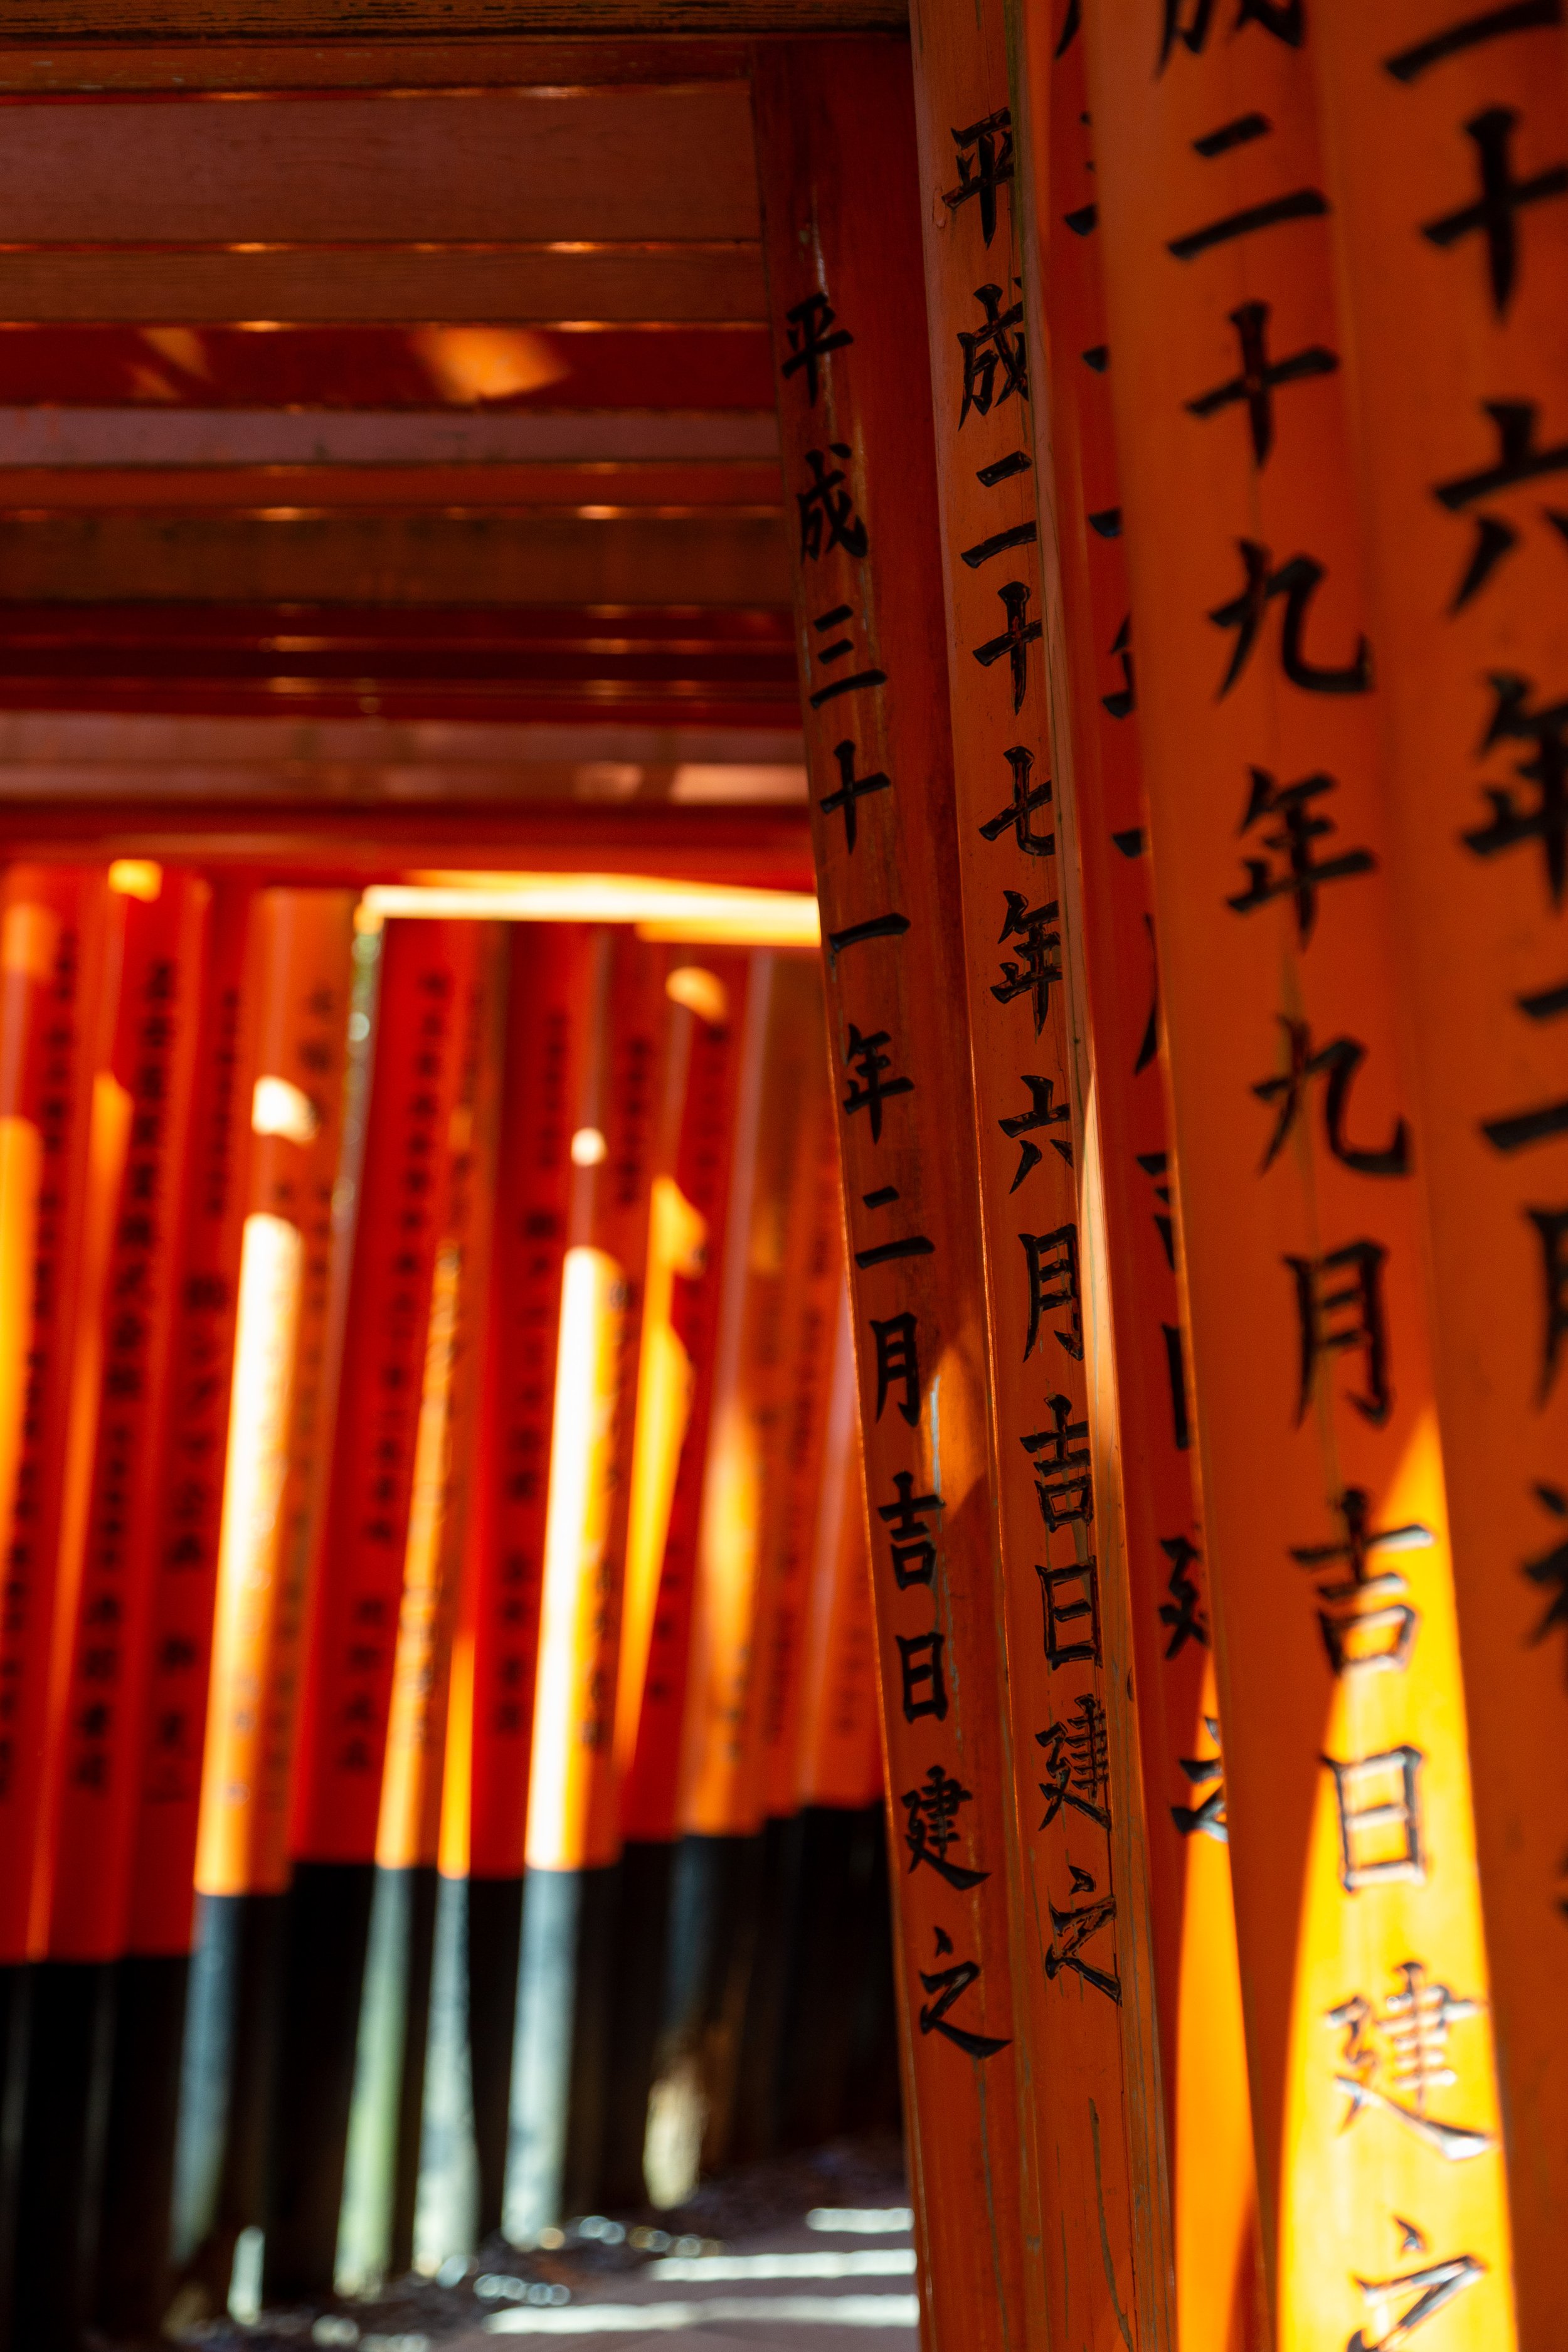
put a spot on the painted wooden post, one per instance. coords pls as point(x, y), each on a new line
point(187, 1513)
point(573, 1834)
point(687, 1224)
point(840, 196)
point(291, 1103)
point(427, 969)
point(1445, 163)
point(52, 923)
point(1083, 1936)
point(1098, 804)
point(1344, 1766)
point(140, 1024)
point(408, 1824)
point(545, 1040)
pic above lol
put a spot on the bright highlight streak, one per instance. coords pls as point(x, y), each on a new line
point(706, 912)
point(861, 2220)
point(797, 2310)
point(880, 2262)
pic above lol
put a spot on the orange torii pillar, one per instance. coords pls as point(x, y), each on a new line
point(1100, 816)
point(1446, 161)
point(840, 196)
point(573, 1836)
point(688, 1224)
point(408, 1826)
point(52, 923)
point(186, 1521)
point(814, 1285)
point(495, 1669)
point(290, 1089)
point(142, 1025)
point(840, 1993)
point(1093, 2121)
point(429, 973)
point(1343, 1764)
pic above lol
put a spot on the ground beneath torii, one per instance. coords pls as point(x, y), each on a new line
point(739, 2265)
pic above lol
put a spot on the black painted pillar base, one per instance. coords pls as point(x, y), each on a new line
point(225, 2083)
point(560, 2065)
point(133, 2273)
point(64, 2102)
point(637, 2010)
point(326, 1937)
point(418, 1967)
point(495, 1944)
point(755, 2126)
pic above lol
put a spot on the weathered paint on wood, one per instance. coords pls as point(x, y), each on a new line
point(1081, 1921)
point(836, 147)
point(1456, 364)
point(1343, 1764)
point(1152, 1515)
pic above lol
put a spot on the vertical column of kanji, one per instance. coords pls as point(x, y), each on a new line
point(289, 1109)
point(1109, 904)
point(427, 972)
point(841, 195)
point(1094, 2074)
point(545, 1040)
point(1345, 1769)
point(558, 2086)
point(185, 1519)
point(142, 1106)
point(1447, 149)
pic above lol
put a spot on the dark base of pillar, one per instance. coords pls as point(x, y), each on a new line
point(495, 1944)
point(423, 1888)
point(70, 2008)
point(559, 2068)
point(134, 2270)
point(225, 2083)
point(326, 1936)
point(636, 2007)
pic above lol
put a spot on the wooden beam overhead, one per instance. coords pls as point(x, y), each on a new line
point(530, 558)
point(48, 23)
point(56, 436)
point(359, 64)
point(161, 490)
point(514, 166)
point(520, 286)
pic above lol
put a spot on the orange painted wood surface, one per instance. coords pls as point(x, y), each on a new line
point(747, 1482)
point(839, 1758)
point(279, 1418)
point(408, 1823)
point(651, 1709)
point(52, 926)
point(147, 1026)
point(544, 1017)
point(1446, 134)
point(836, 149)
point(426, 975)
point(1080, 1919)
point(1343, 1764)
point(187, 1511)
point(1154, 1507)
point(573, 1813)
